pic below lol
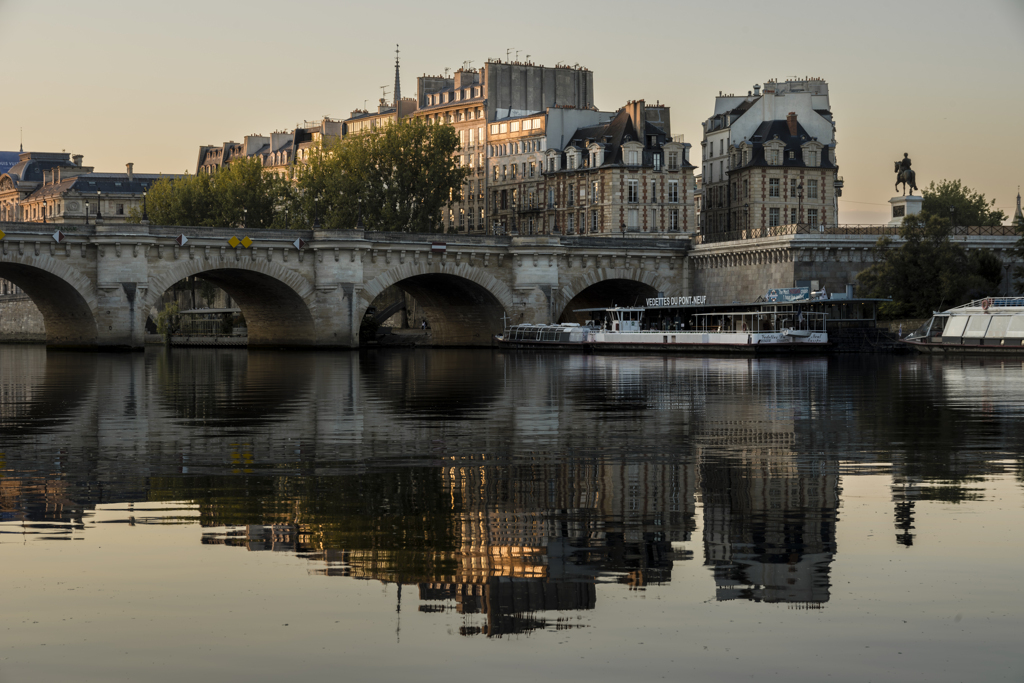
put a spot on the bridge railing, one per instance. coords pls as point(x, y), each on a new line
point(843, 229)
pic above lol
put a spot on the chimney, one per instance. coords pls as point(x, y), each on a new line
point(757, 91)
point(130, 166)
point(78, 159)
point(791, 122)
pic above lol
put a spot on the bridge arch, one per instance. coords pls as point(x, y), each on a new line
point(603, 286)
point(275, 301)
point(463, 304)
point(65, 298)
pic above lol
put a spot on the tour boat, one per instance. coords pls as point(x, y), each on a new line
point(756, 330)
point(992, 325)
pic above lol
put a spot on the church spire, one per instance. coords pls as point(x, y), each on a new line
point(1018, 216)
point(398, 88)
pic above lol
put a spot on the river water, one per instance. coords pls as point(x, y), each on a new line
point(436, 515)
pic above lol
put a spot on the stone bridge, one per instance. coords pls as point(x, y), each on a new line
point(97, 285)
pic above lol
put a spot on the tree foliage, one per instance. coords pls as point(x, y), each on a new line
point(928, 272)
point(240, 195)
point(969, 207)
point(399, 177)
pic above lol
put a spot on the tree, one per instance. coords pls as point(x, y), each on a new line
point(928, 272)
point(240, 195)
point(969, 207)
point(397, 178)
point(246, 196)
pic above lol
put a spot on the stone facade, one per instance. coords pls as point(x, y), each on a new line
point(743, 270)
point(768, 159)
point(20, 320)
point(56, 188)
point(98, 286)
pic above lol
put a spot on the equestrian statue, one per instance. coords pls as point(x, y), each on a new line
point(905, 175)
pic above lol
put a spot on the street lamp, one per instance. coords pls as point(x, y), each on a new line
point(245, 219)
point(316, 213)
point(952, 210)
point(622, 227)
point(86, 202)
point(44, 212)
point(99, 214)
point(746, 215)
point(145, 216)
point(800, 202)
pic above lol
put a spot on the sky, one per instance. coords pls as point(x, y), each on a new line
point(149, 82)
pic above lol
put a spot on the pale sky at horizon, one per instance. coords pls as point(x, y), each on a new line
point(149, 83)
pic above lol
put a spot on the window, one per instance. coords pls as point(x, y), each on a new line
point(673, 192)
point(593, 192)
point(721, 146)
point(551, 165)
point(812, 189)
point(504, 171)
point(673, 161)
point(634, 157)
point(571, 195)
point(657, 162)
point(812, 216)
point(746, 188)
point(495, 173)
point(504, 199)
point(792, 155)
point(792, 188)
point(633, 219)
point(654, 192)
point(773, 217)
point(480, 134)
point(792, 215)
point(654, 220)
point(471, 131)
point(513, 171)
point(119, 210)
point(773, 187)
point(551, 198)
point(673, 219)
point(481, 160)
point(569, 225)
point(494, 129)
point(775, 157)
point(593, 220)
point(462, 219)
point(533, 168)
point(571, 159)
point(633, 189)
point(514, 126)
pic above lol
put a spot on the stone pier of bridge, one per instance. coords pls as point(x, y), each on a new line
point(95, 286)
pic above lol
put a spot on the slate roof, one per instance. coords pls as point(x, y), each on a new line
point(107, 183)
point(768, 131)
point(619, 130)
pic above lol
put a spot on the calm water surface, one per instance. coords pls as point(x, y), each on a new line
point(441, 515)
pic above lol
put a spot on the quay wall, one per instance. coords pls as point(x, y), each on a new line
point(20, 320)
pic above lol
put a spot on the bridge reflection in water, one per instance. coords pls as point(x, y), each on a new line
point(505, 487)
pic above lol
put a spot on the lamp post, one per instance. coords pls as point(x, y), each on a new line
point(44, 212)
point(622, 227)
point(800, 202)
point(86, 202)
point(245, 219)
point(316, 212)
point(99, 214)
point(746, 216)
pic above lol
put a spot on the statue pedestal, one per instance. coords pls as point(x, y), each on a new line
point(904, 206)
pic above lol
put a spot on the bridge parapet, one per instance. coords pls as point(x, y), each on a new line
point(304, 287)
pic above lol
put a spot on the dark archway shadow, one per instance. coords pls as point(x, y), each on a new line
point(275, 314)
point(607, 293)
point(67, 316)
point(459, 311)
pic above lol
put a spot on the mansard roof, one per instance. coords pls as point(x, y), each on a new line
point(770, 131)
point(107, 183)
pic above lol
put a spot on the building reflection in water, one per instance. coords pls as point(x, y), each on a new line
point(500, 487)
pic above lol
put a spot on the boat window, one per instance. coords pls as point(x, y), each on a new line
point(997, 328)
point(955, 327)
point(1016, 327)
point(977, 325)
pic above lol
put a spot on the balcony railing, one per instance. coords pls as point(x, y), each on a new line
point(849, 229)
